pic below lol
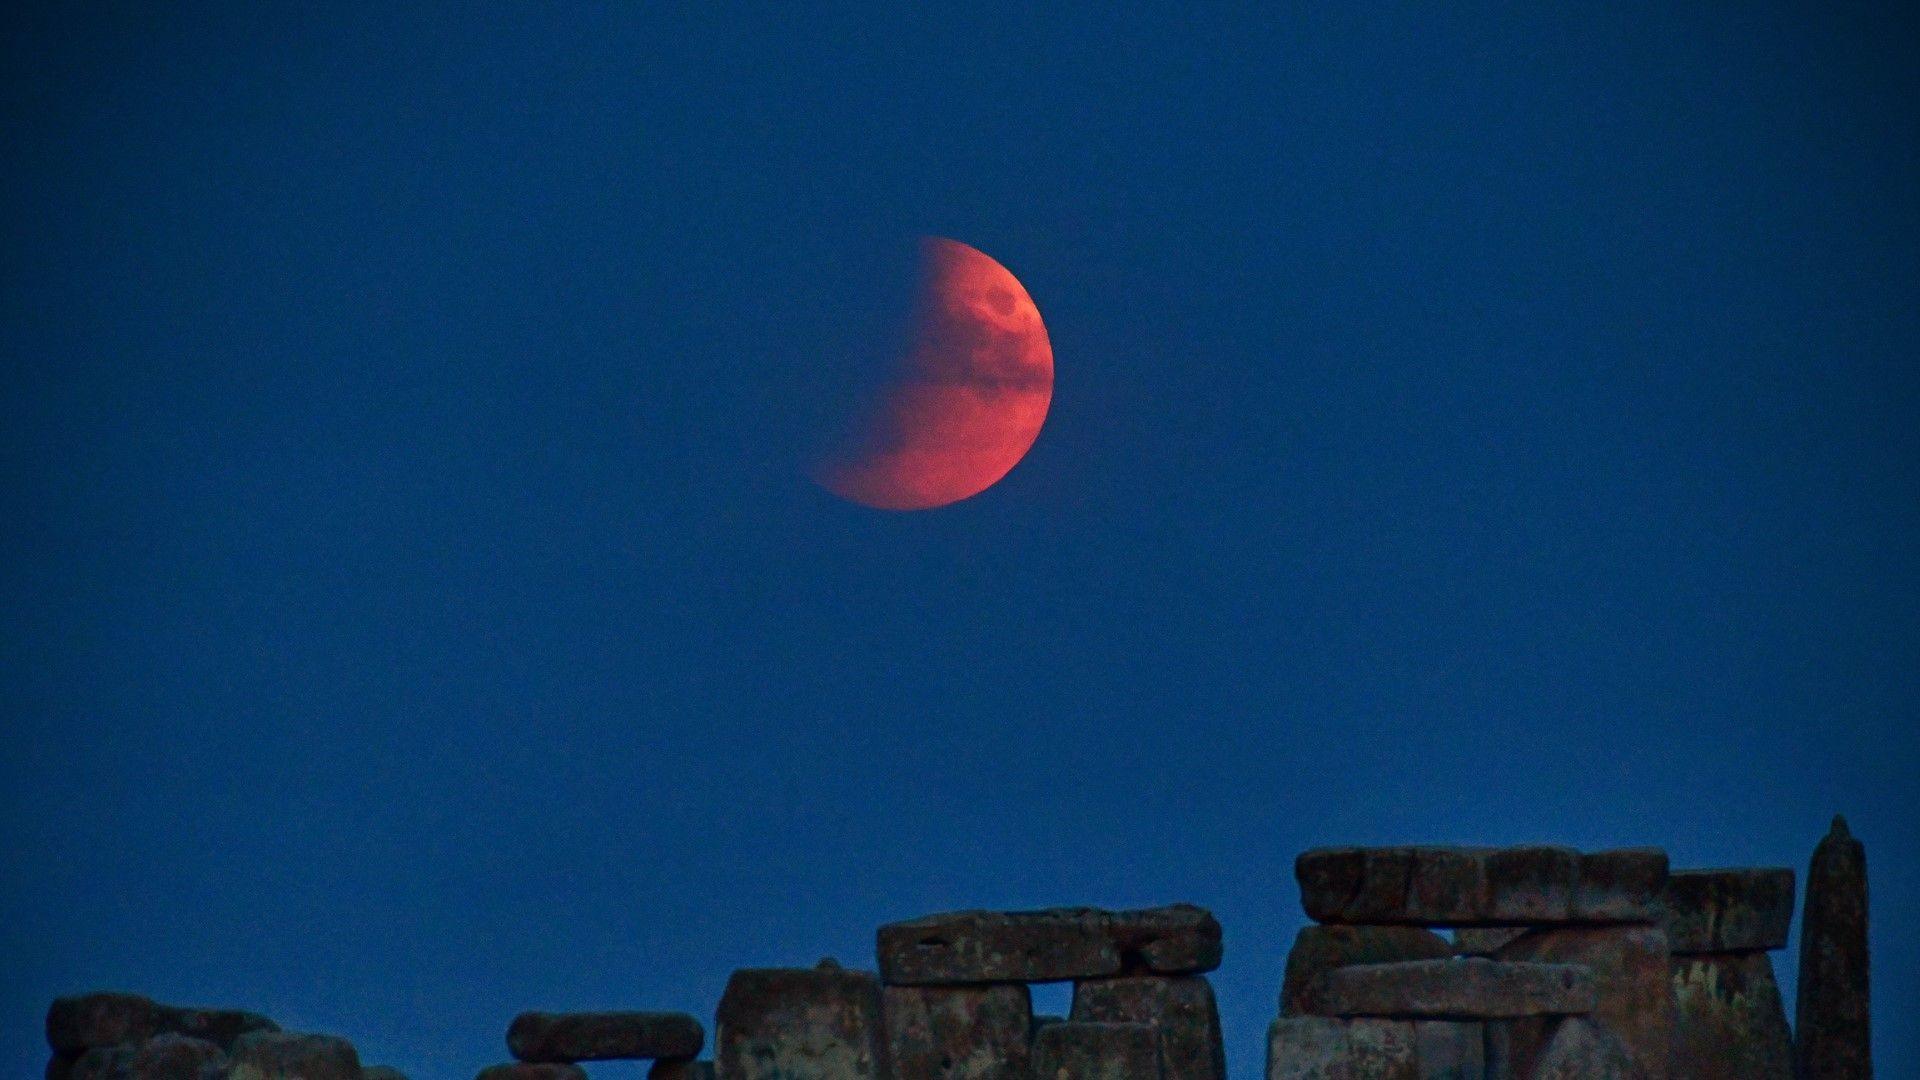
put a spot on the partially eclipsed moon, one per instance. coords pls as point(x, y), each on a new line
point(968, 398)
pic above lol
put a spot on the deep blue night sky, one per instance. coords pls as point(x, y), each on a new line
point(1469, 427)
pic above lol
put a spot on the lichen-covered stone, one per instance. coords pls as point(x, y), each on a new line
point(800, 1024)
point(1382, 1050)
point(959, 1032)
point(1729, 1021)
point(1470, 988)
point(1450, 1049)
point(604, 1036)
point(1318, 949)
point(1465, 886)
point(1831, 1029)
point(1631, 979)
point(1582, 1050)
point(532, 1070)
point(285, 1055)
point(1180, 1008)
point(1724, 911)
point(1047, 946)
point(1079, 1051)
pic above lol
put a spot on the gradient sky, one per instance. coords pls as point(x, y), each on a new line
point(1469, 427)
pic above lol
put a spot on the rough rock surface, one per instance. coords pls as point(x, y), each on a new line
point(1077, 1051)
point(1463, 886)
point(1457, 988)
point(1483, 940)
point(532, 1070)
point(1450, 1050)
point(1632, 979)
point(1723, 911)
point(79, 1023)
point(959, 1032)
point(1831, 1016)
point(1180, 1007)
point(1581, 1050)
point(1319, 949)
point(1319, 1048)
point(285, 1055)
point(1729, 1021)
point(1048, 946)
point(794, 1023)
point(604, 1036)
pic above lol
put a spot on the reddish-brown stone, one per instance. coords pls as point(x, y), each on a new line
point(604, 1036)
point(1180, 1007)
point(784, 1023)
point(1081, 1051)
point(1831, 1029)
point(1631, 973)
point(959, 1032)
point(1581, 1049)
point(1319, 949)
point(1466, 988)
point(1461, 886)
point(1047, 946)
point(1729, 1022)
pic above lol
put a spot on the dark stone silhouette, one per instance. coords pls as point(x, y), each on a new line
point(792, 1023)
point(1831, 1029)
point(1457, 886)
point(532, 1070)
point(1180, 1008)
point(1728, 911)
point(604, 1036)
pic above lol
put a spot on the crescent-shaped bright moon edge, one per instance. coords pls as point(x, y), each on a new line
point(969, 395)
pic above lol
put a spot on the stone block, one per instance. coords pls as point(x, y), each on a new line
point(1180, 1008)
point(1465, 886)
point(1581, 1050)
point(1450, 1049)
point(1729, 1021)
point(1466, 988)
point(284, 1055)
point(1724, 911)
point(1483, 940)
point(1047, 946)
point(1080, 1051)
point(959, 1032)
point(168, 1056)
point(1318, 949)
point(604, 1036)
point(1382, 1048)
point(800, 1024)
point(1631, 980)
point(1832, 1029)
point(1320, 1048)
point(221, 1027)
point(532, 1070)
point(80, 1023)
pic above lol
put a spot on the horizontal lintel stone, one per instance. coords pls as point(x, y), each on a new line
point(1053, 945)
point(1468, 886)
point(1469, 988)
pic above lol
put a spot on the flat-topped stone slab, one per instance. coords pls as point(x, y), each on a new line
point(1727, 911)
point(1073, 1050)
point(1318, 949)
point(1053, 945)
point(1464, 988)
point(1468, 886)
point(604, 1036)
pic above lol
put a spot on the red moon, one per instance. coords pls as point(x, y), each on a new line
point(970, 392)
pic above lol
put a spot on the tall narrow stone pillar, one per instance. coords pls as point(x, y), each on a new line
point(1831, 1029)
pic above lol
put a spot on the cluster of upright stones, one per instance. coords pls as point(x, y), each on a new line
point(115, 1036)
point(1561, 969)
point(1731, 1023)
point(956, 1003)
point(550, 1046)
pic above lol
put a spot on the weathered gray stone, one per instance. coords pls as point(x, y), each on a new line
point(1469, 988)
point(681, 1070)
point(1450, 1049)
point(1461, 886)
point(800, 1024)
point(1307, 1048)
point(1581, 1050)
point(1483, 940)
point(1630, 976)
point(1047, 946)
point(1078, 1051)
point(604, 1036)
point(1383, 1049)
point(1729, 1022)
point(1724, 911)
point(1180, 1008)
point(532, 1070)
point(285, 1055)
point(1318, 949)
point(79, 1023)
point(959, 1032)
point(1831, 1030)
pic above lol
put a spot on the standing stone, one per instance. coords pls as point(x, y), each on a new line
point(1450, 1050)
point(1631, 973)
point(1077, 1051)
point(1458, 987)
point(800, 1024)
point(1831, 1017)
point(1725, 911)
point(959, 1032)
point(1581, 1050)
point(1180, 1007)
point(533, 1070)
point(1307, 1048)
point(281, 1055)
point(604, 1036)
point(1382, 1049)
point(1729, 1021)
point(1319, 949)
